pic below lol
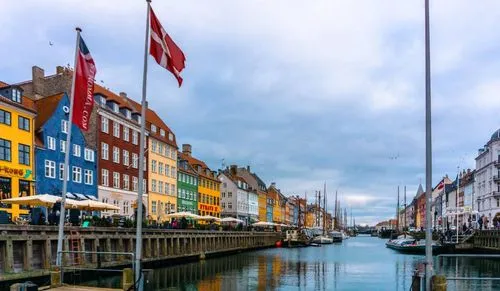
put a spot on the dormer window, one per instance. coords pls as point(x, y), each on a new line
point(162, 132)
point(102, 100)
point(128, 114)
point(153, 128)
point(170, 136)
point(16, 95)
point(116, 108)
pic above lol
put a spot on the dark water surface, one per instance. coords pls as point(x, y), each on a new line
point(360, 263)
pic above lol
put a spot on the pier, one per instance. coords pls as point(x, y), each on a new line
point(30, 251)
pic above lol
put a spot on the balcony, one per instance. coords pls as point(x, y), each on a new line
point(496, 163)
point(496, 178)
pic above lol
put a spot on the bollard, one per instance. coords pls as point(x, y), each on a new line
point(128, 278)
point(438, 283)
point(55, 277)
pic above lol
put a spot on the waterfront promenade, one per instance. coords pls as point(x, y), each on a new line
point(30, 251)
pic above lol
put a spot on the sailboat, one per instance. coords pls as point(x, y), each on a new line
point(323, 238)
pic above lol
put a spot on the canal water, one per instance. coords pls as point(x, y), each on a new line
point(360, 263)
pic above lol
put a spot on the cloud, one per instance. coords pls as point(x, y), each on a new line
point(303, 92)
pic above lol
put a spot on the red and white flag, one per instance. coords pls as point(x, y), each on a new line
point(440, 185)
point(166, 53)
point(83, 100)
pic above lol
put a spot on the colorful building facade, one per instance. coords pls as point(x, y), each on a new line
point(187, 187)
point(51, 128)
point(162, 171)
point(208, 184)
point(17, 175)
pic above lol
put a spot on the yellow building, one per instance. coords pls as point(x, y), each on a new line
point(162, 168)
point(17, 115)
point(275, 195)
point(208, 184)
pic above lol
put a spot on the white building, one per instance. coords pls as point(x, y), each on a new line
point(237, 200)
point(487, 181)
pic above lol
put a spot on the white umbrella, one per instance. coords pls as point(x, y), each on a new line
point(208, 217)
point(91, 205)
point(45, 200)
point(182, 214)
point(231, 219)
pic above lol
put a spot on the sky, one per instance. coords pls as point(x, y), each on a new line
point(305, 92)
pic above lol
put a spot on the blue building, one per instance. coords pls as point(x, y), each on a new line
point(51, 126)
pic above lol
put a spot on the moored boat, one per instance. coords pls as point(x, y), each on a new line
point(412, 246)
point(336, 236)
point(322, 239)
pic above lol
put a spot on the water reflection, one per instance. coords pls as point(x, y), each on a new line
point(357, 264)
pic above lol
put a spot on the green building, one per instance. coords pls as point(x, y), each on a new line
point(187, 187)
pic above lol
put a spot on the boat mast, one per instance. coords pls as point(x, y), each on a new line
point(397, 212)
point(335, 218)
point(324, 208)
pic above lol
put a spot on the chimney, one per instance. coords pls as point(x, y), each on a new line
point(59, 70)
point(186, 149)
point(37, 75)
point(273, 184)
point(124, 95)
point(234, 170)
point(248, 168)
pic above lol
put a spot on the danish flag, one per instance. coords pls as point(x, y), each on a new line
point(166, 53)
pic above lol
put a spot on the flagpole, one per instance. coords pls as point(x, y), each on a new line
point(138, 245)
point(428, 152)
point(62, 216)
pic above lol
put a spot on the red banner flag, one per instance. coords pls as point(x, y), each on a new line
point(166, 53)
point(83, 100)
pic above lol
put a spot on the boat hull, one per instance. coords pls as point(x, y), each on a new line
point(418, 250)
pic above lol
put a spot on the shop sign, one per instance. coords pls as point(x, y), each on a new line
point(5, 170)
point(206, 207)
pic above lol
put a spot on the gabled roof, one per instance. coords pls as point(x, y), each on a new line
point(46, 107)
point(189, 169)
point(195, 162)
point(26, 103)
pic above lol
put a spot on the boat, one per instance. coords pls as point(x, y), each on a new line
point(412, 246)
point(345, 236)
point(296, 238)
point(336, 236)
point(322, 239)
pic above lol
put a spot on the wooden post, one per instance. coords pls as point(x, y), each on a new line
point(438, 283)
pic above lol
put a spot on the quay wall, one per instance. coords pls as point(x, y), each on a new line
point(30, 251)
point(487, 240)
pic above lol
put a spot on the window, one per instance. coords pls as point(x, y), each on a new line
point(230, 205)
point(116, 108)
point(153, 185)
point(51, 143)
point(160, 186)
point(128, 114)
point(153, 128)
point(102, 100)
point(126, 160)
point(167, 171)
point(162, 132)
point(89, 177)
point(64, 126)
point(126, 182)
point(167, 150)
point(167, 189)
point(135, 138)
point(5, 117)
point(104, 151)
point(105, 177)
point(89, 155)
point(16, 95)
point(23, 123)
point(77, 150)
point(160, 168)
point(153, 207)
point(153, 166)
point(50, 169)
point(62, 144)
point(126, 133)
point(116, 155)
point(160, 148)
point(116, 129)
point(223, 205)
point(135, 159)
point(154, 146)
point(104, 125)
point(170, 136)
point(116, 180)
point(229, 194)
point(172, 189)
point(172, 172)
point(24, 154)
point(77, 174)
point(61, 171)
point(134, 183)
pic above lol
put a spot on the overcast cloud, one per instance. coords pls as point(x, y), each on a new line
point(302, 91)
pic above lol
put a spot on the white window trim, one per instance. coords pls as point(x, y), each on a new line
point(51, 143)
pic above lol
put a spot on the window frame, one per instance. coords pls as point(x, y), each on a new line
point(6, 150)
point(22, 161)
point(25, 122)
point(3, 114)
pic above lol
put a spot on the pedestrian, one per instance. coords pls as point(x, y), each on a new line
point(464, 227)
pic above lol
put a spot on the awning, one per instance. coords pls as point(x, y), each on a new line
point(70, 196)
point(90, 197)
point(80, 196)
